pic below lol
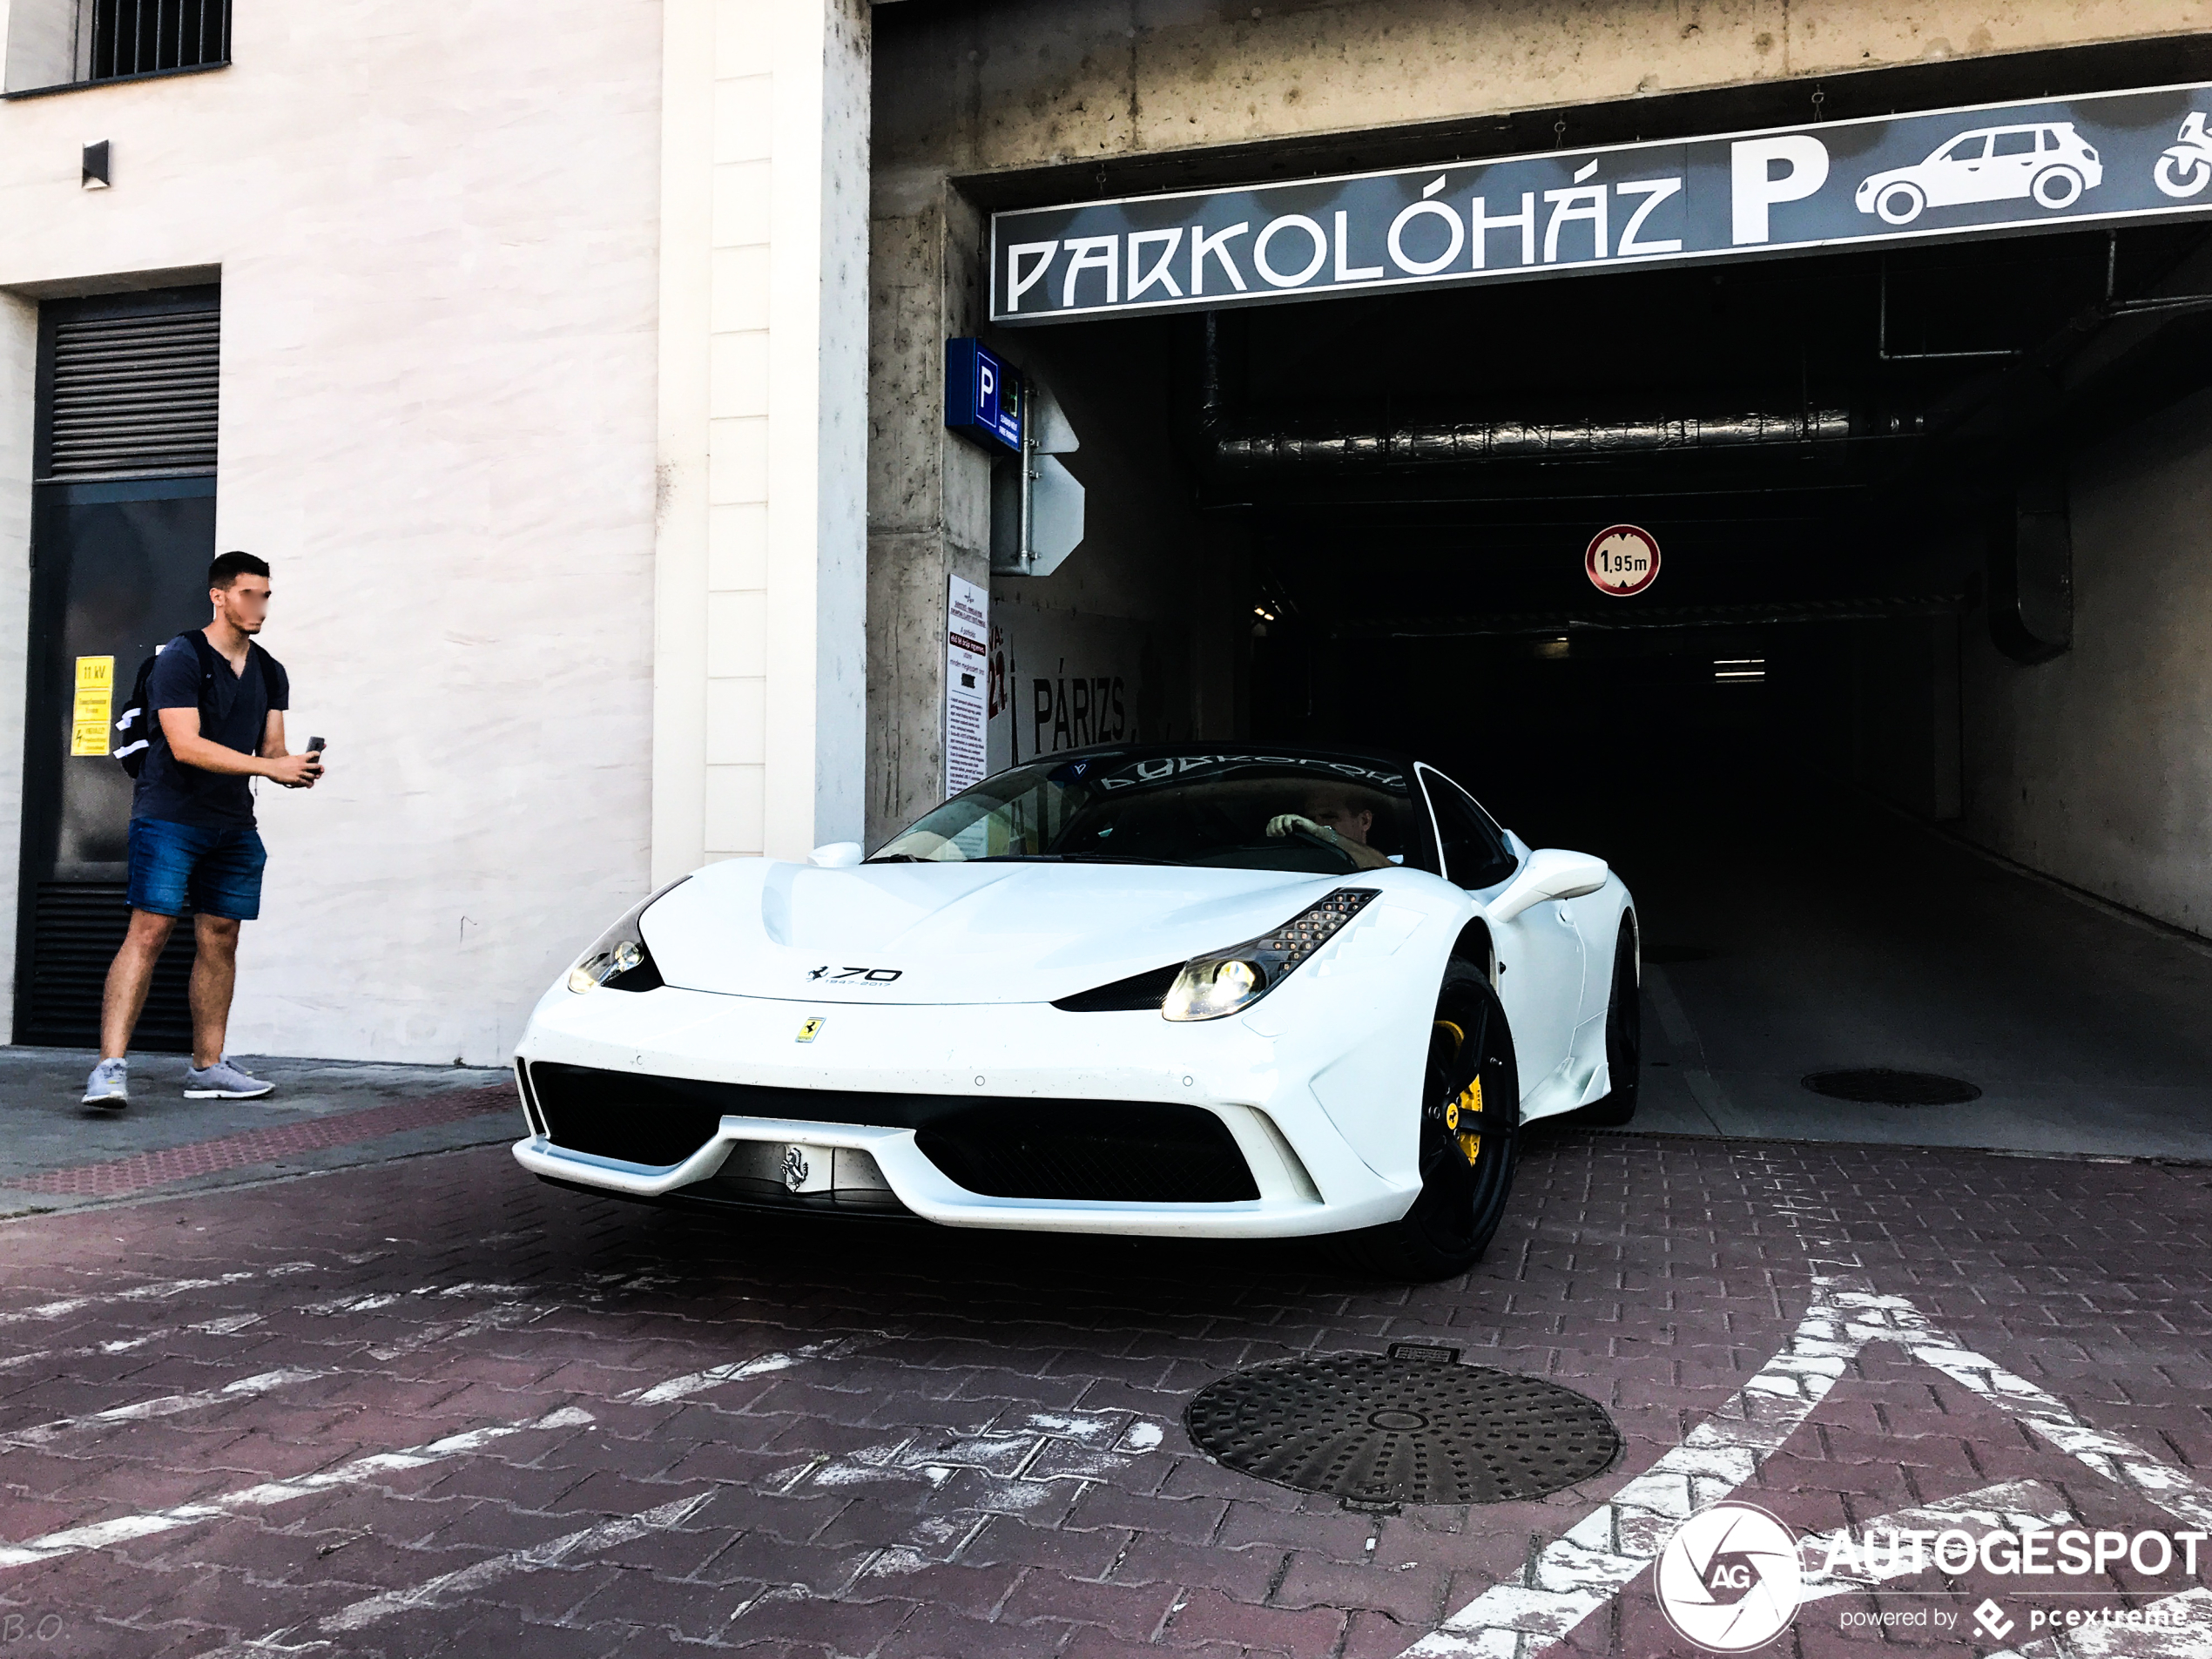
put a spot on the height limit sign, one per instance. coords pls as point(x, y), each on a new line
point(1621, 559)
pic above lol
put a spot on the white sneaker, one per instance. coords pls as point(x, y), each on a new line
point(223, 1080)
point(110, 1084)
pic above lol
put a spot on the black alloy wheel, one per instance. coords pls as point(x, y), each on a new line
point(1623, 1038)
point(1470, 1137)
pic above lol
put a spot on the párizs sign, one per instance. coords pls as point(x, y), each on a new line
point(1621, 559)
point(1941, 175)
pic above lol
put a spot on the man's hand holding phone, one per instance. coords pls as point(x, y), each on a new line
point(300, 771)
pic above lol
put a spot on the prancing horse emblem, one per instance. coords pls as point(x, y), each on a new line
point(809, 1030)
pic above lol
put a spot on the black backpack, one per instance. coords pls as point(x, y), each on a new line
point(131, 756)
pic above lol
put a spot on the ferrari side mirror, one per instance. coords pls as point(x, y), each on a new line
point(1549, 873)
point(837, 855)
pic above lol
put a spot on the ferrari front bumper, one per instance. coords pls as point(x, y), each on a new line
point(1309, 1178)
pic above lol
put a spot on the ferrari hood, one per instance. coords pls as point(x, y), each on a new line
point(956, 932)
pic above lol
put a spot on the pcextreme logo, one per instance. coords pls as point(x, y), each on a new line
point(1729, 1579)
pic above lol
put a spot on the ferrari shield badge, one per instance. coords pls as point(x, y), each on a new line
point(809, 1030)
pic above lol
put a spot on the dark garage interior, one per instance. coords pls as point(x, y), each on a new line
point(1862, 471)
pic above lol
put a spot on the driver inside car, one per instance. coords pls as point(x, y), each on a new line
point(1337, 817)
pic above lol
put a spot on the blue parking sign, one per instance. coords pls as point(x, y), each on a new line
point(983, 396)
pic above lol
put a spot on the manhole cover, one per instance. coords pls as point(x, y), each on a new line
point(1411, 1426)
point(1879, 1086)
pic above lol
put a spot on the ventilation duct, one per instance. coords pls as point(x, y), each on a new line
point(134, 397)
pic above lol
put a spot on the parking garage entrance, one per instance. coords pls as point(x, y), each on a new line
point(1914, 543)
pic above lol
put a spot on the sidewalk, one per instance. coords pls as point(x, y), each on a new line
point(324, 1114)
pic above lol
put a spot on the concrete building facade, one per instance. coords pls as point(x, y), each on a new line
point(582, 376)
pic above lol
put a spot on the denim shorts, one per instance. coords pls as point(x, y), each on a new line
point(218, 870)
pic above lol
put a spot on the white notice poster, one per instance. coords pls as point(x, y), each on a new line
point(967, 644)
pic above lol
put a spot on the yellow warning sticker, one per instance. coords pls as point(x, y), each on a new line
point(95, 702)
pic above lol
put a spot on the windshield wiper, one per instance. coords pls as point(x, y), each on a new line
point(1023, 858)
point(1064, 857)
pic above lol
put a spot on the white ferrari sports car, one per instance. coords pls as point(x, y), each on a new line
point(1175, 990)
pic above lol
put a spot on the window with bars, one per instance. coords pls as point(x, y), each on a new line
point(118, 39)
point(54, 44)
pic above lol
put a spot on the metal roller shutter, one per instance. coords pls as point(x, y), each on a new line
point(134, 397)
point(79, 928)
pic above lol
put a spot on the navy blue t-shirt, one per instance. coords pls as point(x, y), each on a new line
point(233, 711)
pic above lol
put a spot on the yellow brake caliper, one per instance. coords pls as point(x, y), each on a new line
point(1469, 1104)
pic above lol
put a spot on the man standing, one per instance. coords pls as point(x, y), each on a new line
point(217, 701)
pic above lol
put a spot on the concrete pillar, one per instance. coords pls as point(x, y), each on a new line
point(929, 492)
point(760, 587)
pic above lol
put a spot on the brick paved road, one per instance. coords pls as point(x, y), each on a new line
point(432, 1406)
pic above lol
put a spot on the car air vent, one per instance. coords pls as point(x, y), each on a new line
point(1108, 1151)
point(656, 1121)
point(1138, 992)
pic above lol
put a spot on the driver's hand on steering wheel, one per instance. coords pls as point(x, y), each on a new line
point(1291, 823)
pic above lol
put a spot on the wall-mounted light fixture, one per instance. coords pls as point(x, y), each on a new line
point(96, 165)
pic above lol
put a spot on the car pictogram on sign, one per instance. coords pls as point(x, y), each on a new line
point(1623, 559)
point(2048, 160)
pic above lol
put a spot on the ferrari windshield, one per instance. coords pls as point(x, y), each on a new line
point(1244, 811)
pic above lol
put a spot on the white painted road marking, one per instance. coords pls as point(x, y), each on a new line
point(166, 1405)
point(468, 1581)
point(1014, 1471)
point(698, 1382)
point(1583, 1571)
point(152, 1292)
point(120, 1529)
point(100, 1535)
point(224, 1327)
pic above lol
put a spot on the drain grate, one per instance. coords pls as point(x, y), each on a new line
point(1879, 1086)
point(1411, 1426)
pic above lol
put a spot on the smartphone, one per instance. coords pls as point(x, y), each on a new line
point(315, 746)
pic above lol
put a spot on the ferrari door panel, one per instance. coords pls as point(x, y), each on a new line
point(1541, 987)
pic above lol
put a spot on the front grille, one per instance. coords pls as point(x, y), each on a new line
point(1121, 1151)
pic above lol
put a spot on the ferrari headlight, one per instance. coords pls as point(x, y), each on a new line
point(618, 956)
point(1223, 981)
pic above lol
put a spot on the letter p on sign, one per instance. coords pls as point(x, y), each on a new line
point(1756, 186)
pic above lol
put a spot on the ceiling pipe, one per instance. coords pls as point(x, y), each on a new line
point(1234, 446)
point(1464, 442)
